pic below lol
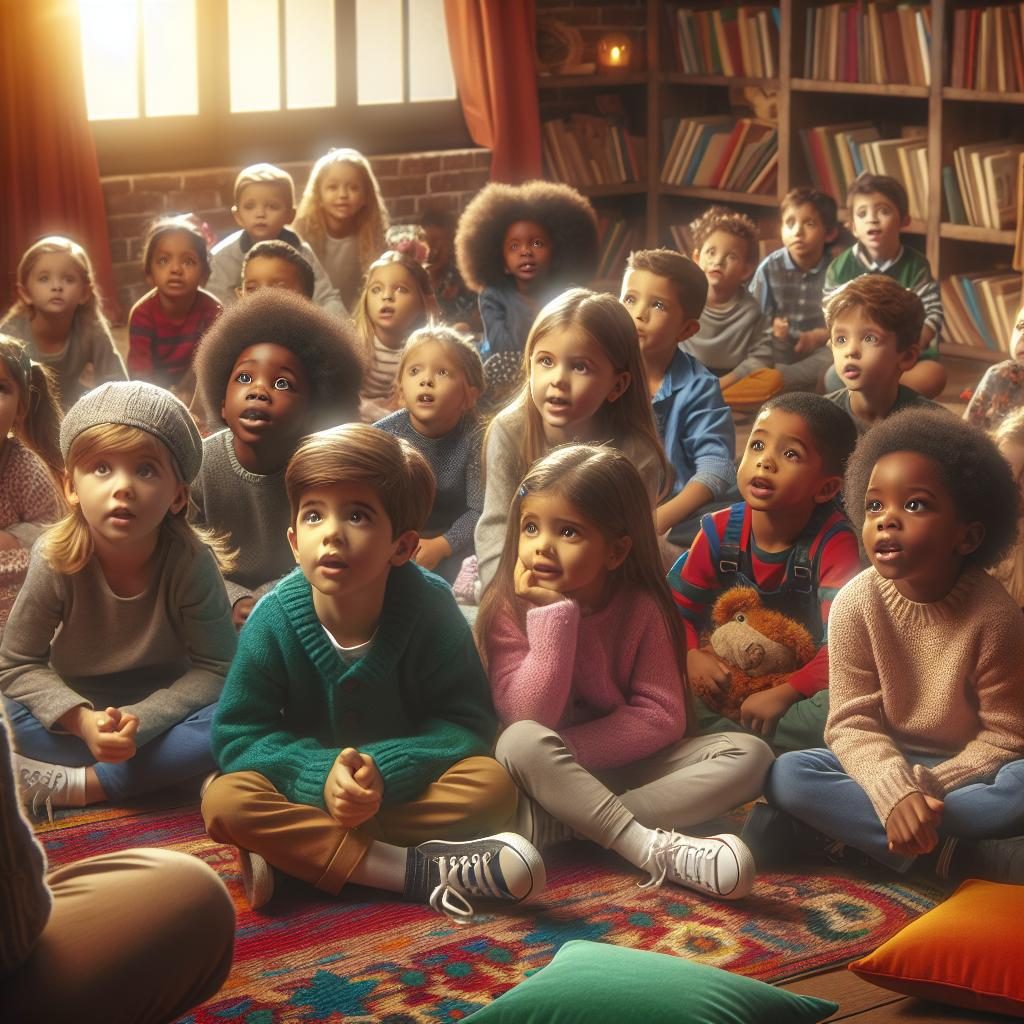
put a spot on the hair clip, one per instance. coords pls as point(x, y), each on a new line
point(522, 491)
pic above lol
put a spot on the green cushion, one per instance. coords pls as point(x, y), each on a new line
point(590, 982)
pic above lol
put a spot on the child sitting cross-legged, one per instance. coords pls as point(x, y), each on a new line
point(272, 369)
point(585, 656)
point(874, 325)
point(356, 721)
point(789, 541)
point(735, 340)
point(925, 734)
point(664, 292)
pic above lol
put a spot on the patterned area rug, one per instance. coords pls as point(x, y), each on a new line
point(373, 958)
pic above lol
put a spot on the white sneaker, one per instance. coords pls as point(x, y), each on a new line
point(719, 865)
point(257, 878)
point(445, 874)
point(44, 786)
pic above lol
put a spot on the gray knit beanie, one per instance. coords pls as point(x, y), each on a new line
point(145, 406)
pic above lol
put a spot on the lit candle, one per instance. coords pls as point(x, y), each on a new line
point(613, 52)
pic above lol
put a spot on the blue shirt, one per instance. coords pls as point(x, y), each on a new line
point(695, 426)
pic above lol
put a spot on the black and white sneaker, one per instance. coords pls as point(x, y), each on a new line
point(445, 874)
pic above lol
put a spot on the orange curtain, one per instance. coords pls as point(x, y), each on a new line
point(49, 176)
point(492, 47)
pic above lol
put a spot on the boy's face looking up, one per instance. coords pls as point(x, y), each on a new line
point(877, 225)
point(725, 260)
point(912, 532)
point(804, 235)
point(781, 468)
point(342, 539)
point(267, 396)
point(865, 354)
point(270, 272)
point(263, 211)
point(653, 303)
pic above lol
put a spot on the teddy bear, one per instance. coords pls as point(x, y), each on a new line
point(760, 646)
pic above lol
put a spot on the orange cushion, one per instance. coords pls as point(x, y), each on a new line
point(968, 951)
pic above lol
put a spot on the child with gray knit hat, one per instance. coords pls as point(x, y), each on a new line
point(275, 368)
point(116, 649)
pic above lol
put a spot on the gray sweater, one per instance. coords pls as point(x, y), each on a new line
point(251, 509)
point(734, 340)
point(226, 259)
point(501, 480)
point(162, 654)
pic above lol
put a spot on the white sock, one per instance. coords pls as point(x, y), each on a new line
point(65, 787)
point(383, 867)
point(634, 843)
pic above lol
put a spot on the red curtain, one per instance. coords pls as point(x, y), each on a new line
point(492, 47)
point(49, 176)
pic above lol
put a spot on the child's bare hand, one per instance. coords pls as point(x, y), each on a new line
point(431, 552)
point(760, 712)
point(109, 734)
point(780, 327)
point(912, 825)
point(530, 590)
point(354, 789)
point(240, 611)
point(708, 674)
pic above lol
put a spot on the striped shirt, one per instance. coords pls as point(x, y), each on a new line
point(160, 349)
point(696, 586)
point(382, 374)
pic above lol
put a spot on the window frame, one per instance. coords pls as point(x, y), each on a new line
point(216, 137)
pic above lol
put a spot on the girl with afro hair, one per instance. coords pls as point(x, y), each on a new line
point(273, 368)
point(518, 246)
point(926, 698)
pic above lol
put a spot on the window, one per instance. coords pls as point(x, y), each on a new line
point(174, 84)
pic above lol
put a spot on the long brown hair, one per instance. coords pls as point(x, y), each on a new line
point(605, 488)
point(604, 320)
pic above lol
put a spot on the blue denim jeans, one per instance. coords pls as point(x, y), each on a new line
point(812, 786)
point(180, 754)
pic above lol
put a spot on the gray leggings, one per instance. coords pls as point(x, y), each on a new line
point(687, 782)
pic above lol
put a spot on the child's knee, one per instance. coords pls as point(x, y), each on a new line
point(224, 805)
point(519, 743)
point(496, 795)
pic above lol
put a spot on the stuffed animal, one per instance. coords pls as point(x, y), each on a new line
point(760, 646)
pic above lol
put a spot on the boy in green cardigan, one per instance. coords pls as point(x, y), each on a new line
point(355, 726)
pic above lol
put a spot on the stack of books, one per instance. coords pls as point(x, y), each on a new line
point(883, 44)
point(732, 41)
point(616, 239)
point(987, 48)
point(981, 309)
point(983, 188)
point(587, 149)
point(837, 153)
point(722, 152)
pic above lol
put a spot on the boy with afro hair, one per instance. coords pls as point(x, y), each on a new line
point(518, 246)
point(273, 368)
point(925, 730)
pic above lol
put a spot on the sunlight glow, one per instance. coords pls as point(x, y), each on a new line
point(309, 53)
point(430, 63)
point(169, 57)
point(379, 74)
point(110, 32)
point(254, 55)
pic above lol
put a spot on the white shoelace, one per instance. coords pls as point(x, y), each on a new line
point(449, 896)
point(37, 789)
point(663, 859)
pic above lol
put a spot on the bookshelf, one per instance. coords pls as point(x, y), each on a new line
point(946, 118)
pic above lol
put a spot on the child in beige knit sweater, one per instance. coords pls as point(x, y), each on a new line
point(926, 724)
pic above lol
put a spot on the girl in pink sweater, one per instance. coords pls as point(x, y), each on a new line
point(585, 654)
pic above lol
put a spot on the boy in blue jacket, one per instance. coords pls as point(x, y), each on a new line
point(356, 724)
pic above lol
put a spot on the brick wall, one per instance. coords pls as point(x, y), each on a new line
point(410, 184)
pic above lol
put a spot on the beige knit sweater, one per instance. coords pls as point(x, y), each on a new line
point(945, 678)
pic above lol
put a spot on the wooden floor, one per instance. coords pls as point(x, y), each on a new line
point(864, 1003)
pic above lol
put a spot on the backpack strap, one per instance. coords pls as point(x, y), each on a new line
point(726, 556)
point(802, 565)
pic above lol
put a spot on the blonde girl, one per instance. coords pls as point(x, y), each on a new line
point(585, 382)
point(1009, 438)
point(343, 218)
point(440, 379)
point(585, 653)
point(397, 299)
point(29, 464)
point(117, 646)
point(57, 315)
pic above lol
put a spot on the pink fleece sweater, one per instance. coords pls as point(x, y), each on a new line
point(608, 683)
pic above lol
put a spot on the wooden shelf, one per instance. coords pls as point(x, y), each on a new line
point(858, 88)
point(970, 233)
point(980, 96)
point(976, 352)
point(593, 81)
point(629, 188)
point(682, 78)
point(717, 195)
